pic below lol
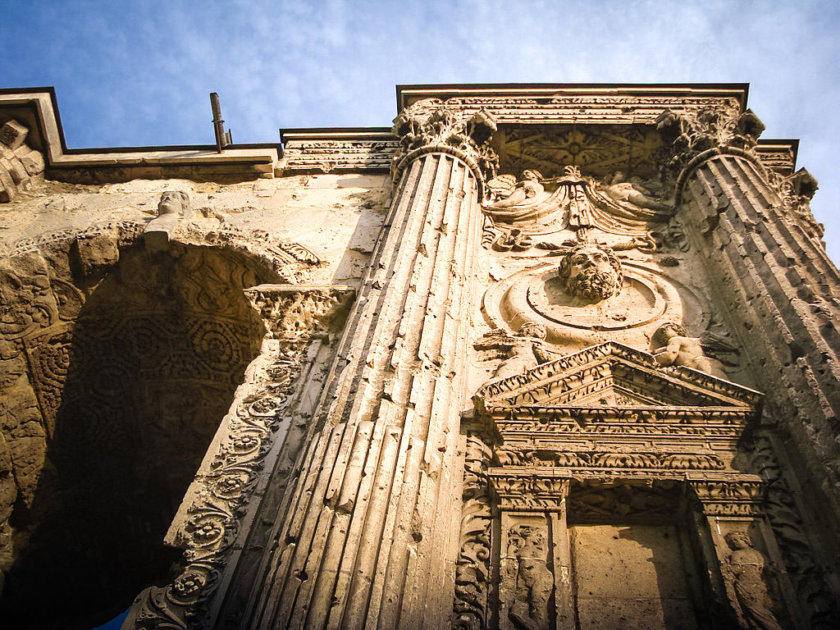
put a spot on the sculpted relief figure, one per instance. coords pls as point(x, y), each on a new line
point(523, 350)
point(745, 571)
point(173, 207)
point(534, 580)
point(590, 273)
point(630, 192)
point(671, 346)
point(525, 191)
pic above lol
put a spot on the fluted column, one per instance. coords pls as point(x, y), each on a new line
point(779, 289)
point(369, 537)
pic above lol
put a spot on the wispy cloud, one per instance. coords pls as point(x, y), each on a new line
point(131, 73)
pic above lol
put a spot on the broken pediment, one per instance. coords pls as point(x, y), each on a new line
point(611, 380)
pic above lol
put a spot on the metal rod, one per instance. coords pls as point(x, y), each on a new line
point(218, 123)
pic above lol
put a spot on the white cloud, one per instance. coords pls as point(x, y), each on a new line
point(140, 73)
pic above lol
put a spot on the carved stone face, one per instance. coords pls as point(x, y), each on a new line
point(738, 540)
point(665, 332)
point(591, 272)
point(173, 202)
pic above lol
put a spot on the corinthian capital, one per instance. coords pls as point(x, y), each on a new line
point(430, 126)
point(711, 130)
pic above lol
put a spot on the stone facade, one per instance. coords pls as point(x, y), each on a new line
point(535, 357)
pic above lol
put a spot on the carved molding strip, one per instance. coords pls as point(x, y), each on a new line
point(294, 315)
point(736, 495)
point(588, 108)
point(338, 155)
point(472, 571)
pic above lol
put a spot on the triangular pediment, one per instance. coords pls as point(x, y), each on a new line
point(612, 375)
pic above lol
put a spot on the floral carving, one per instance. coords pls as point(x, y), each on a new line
point(693, 133)
point(472, 573)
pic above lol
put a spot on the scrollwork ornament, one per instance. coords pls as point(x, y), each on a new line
point(799, 557)
point(472, 572)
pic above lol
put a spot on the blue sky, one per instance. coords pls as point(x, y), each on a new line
point(139, 73)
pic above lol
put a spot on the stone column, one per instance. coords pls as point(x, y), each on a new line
point(780, 290)
point(370, 534)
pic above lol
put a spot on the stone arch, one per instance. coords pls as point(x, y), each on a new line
point(118, 365)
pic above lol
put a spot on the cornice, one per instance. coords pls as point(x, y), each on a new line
point(579, 103)
point(371, 149)
point(47, 135)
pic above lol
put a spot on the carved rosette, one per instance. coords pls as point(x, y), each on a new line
point(293, 316)
point(430, 126)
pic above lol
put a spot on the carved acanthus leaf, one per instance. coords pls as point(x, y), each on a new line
point(693, 133)
point(430, 126)
point(796, 192)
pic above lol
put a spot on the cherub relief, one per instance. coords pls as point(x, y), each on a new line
point(523, 351)
point(671, 346)
point(745, 571)
point(516, 193)
point(620, 190)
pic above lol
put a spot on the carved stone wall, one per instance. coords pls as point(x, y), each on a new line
point(19, 163)
point(536, 357)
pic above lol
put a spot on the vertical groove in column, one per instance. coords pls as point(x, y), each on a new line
point(394, 401)
point(430, 401)
point(777, 287)
point(291, 532)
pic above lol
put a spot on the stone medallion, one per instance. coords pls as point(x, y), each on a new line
point(645, 300)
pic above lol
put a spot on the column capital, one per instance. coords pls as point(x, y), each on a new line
point(695, 135)
point(432, 126)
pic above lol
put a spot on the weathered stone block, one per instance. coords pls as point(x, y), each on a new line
point(13, 134)
point(33, 162)
point(17, 171)
point(8, 190)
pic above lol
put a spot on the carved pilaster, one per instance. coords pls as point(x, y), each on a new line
point(366, 541)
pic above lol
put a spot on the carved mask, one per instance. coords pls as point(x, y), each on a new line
point(591, 273)
point(173, 202)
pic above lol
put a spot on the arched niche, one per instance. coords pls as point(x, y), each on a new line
point(118, 364)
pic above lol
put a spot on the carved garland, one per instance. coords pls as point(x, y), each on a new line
point(294, 316)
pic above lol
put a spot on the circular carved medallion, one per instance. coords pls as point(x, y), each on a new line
point(538, 295)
